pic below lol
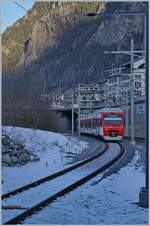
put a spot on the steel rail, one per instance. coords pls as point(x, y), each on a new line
point(138, 139)
point(55, 175)
point(21, 217)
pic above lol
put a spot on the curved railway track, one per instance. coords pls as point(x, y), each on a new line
point(55, 175)
point(66, 189)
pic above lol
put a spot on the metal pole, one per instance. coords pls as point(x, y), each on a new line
point(60, 88)
point(72, 113)
point(144, 191)
point(146, 45)
point(119, 97)
point(132, 92)
point(106, 93)
point(126, 99)
point(79, 110)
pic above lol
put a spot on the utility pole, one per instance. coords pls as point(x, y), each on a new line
point(126, 104)
point(79, 110)
point(72, 112)
point(144, 191)
point(60, 89)
point(132, 92)
point(106, 95)
point(146, 48)
point(119, 96)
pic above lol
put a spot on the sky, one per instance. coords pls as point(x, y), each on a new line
point(11, 12)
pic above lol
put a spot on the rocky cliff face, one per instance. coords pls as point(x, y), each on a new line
point(41, 26)
point(29, 38)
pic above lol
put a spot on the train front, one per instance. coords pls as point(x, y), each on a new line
point(113, 125)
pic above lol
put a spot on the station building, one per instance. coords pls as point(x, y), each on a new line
point(118, 83)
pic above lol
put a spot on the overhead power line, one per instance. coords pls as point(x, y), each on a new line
point(41, 21)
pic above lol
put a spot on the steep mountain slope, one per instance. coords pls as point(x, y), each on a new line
point(41, 20)
point(37, 55)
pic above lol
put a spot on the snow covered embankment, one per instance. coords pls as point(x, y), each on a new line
point(52, 149)
point(19, 143)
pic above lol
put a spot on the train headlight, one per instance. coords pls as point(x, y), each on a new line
point(113, 134)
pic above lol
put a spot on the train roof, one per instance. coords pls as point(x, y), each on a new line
point(117, 109)
point(88, 115)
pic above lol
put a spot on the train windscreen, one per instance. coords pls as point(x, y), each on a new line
point(113, 119)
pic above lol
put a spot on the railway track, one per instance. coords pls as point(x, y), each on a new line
point(53, 176)
point(69, 179)
point(137, 139)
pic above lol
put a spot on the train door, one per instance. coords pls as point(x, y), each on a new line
point(101, 131)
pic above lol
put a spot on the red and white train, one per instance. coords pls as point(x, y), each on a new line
point(106, 122)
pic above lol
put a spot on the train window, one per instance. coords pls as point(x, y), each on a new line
point(82, 123)
point(94, 123)
point(85, 123)
point(113, 119)
point(88, 123)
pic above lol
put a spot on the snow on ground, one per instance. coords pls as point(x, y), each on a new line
point(50, 147)
point(37, 194)
point(111, 201)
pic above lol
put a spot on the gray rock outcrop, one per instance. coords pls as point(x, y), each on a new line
point(15, 154)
